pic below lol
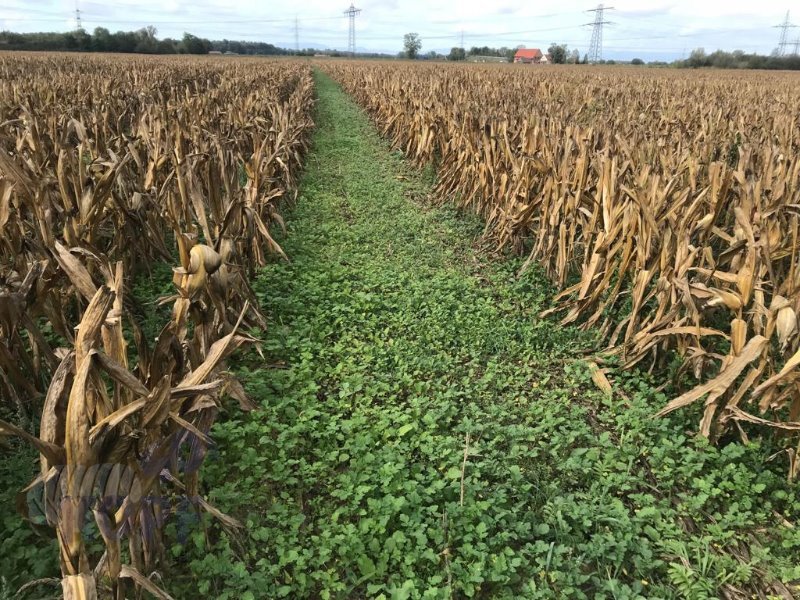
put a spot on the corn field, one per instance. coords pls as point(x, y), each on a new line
point(664, 206)
point(109, 166)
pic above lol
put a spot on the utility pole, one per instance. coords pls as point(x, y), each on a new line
point(596, 45)
point(78, 16)
point(784, 41)
point(352, 12)
point(296, 34)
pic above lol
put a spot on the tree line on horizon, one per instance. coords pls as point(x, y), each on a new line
point(738, 59)
point(144, 41)
point(141, 41)
point(561, 54)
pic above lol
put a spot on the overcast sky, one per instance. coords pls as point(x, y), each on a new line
point(657, 29)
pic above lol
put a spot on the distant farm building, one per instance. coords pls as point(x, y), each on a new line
point(530, 56)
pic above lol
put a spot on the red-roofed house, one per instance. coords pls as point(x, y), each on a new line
point(528, 56)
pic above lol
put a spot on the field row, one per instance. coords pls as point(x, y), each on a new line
point(664, 205)
point(110, 167)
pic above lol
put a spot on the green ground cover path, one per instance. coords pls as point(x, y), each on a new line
point(393, 339)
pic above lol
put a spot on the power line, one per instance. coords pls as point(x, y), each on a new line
point(25, 9)
point(499, 34)
point(351, 13)
point(688, 35)
point(29, 20)
point(596, 43)
point(102, 19)
point(461, 36)
point(495, 34)
point(456, 36)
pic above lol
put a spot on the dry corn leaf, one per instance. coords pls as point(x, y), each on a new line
point(721, 382)
point(599, 378)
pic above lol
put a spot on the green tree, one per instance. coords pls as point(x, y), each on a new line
point(698, 58)
point(457, 54)
point(558, 53)
point(412, 44)
point(83, 41)
point(102, 40)
point(574, 57)
point(192, 44)
point(146, 40)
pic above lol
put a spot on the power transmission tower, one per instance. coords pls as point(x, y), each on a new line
point(797, 47)
point(296, 35)
point(784, 41)
point(596, 45)
point(78, 16)
point(352, 12)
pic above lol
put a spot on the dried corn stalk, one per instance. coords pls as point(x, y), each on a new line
point(107, 166)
